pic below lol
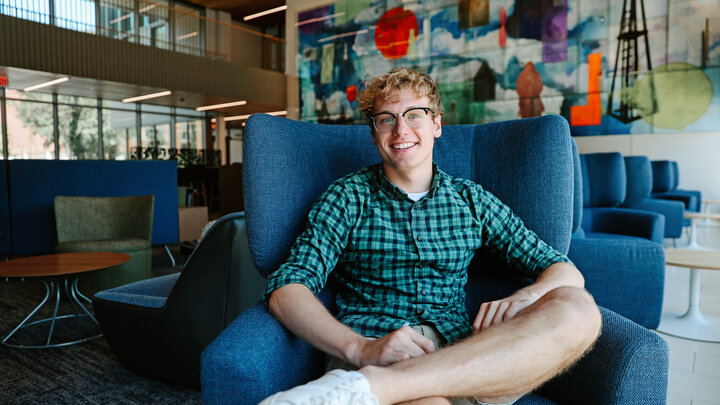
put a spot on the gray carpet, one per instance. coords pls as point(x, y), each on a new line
point(84, 373)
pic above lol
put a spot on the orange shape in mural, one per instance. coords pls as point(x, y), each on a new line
point(392, 32)
point(591, 113)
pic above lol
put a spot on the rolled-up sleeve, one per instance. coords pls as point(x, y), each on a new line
point(505, 233)
point(316, 251)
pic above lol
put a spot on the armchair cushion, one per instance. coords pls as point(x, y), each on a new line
point(105, 245)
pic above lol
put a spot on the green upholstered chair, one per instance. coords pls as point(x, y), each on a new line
point(107, 224)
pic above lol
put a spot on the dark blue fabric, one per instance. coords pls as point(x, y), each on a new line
point(639, 179)
point(151, 293)
point(5, 235)
point(626, 274)
point(663, 176)
point(639, 187)
point(527, 163)
point(624, 221)
point(604, 180)
point(628, 365)
point(35, 183)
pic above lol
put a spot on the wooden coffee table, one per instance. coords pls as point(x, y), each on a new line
point(56, 271)
point(692, 324)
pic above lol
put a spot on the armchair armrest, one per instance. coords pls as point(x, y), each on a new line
point(691, 203)
point(254, 357)
point(628, 365)
point(674, 212)
point(625, 276)
point(625, 221)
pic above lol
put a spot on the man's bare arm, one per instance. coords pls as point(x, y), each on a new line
point(554, 276)
point(295, 306)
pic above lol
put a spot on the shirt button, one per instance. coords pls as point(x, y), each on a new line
point(422, 292)
point(419, 238)
point(420, 265)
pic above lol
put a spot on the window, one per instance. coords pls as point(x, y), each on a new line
point(30, 129)
point(78, 130)
point(119, 134)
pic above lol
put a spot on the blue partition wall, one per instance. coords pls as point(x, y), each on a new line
point(5, 241)
point(33, 185)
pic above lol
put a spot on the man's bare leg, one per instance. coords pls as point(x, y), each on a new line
point(503, 361)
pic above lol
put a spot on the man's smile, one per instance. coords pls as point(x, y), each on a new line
point(403, 145)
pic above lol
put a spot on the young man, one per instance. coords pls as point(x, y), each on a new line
point(398, 237)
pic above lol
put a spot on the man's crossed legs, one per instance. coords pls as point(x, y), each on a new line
point(497, 365)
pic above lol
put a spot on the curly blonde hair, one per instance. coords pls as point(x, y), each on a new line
point(399, 78)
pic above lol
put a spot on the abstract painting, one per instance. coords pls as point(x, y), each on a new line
point(607, 66)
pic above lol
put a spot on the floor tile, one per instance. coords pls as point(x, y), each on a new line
point(706, 365)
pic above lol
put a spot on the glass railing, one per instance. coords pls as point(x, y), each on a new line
point(163, 24)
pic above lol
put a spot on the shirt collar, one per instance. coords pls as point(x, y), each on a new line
point(392, 190)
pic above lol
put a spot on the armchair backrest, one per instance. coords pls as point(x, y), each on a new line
point(663, 176)
point(639, 179)
point(288, 164)
point(603, 179)
point(98, 218)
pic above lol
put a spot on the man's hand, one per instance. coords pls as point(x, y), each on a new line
point(495, 312)
point(399, 345)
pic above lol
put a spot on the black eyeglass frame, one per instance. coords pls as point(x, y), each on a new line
point(426, 109)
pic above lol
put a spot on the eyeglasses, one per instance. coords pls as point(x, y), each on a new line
point(415, 117)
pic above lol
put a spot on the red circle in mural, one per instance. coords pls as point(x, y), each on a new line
point(351, 92)
point(392, 32)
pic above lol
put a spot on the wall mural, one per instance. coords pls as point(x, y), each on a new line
point(608, 66)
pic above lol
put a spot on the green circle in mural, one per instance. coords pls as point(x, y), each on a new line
point(682, 92)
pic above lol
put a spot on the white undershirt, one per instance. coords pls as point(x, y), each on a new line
point(417, 196)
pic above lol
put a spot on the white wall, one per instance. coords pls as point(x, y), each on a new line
point(697, 154)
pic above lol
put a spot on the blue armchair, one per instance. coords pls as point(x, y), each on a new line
point(604, 181)
point(624, 275)
point(159, 327)
point(665, 177)
point(526, 163)
point(639, 185)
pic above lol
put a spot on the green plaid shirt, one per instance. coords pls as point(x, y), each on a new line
point(398, 261)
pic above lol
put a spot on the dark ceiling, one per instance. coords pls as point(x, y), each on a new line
point(240, 8)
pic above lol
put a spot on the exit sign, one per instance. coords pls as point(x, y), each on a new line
point(3, 81)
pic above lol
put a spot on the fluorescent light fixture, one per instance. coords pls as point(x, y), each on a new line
point(117, 20)
point(266, 12)
point(186, 36)
point(147, 96)
point(318, 19)
point(223, 105)
point(47, 84)
point(147, 8)
point(246, 116)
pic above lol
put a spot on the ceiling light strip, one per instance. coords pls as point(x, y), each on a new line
point(147, 96)
point(223, 105)
point(47, 84)
point(266, 12)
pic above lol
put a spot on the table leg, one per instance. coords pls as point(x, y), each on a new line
point(52, 287)
point(692, 324)
point(22, 324)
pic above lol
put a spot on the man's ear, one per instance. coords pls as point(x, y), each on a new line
point(437, 126)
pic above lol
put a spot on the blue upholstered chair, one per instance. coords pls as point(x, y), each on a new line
point(666, 177)
point(639, 186)
point(526, 163)
point(604, 181)
point(160, 326)
point(625, 275)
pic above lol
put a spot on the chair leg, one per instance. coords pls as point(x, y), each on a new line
point(167, 250)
